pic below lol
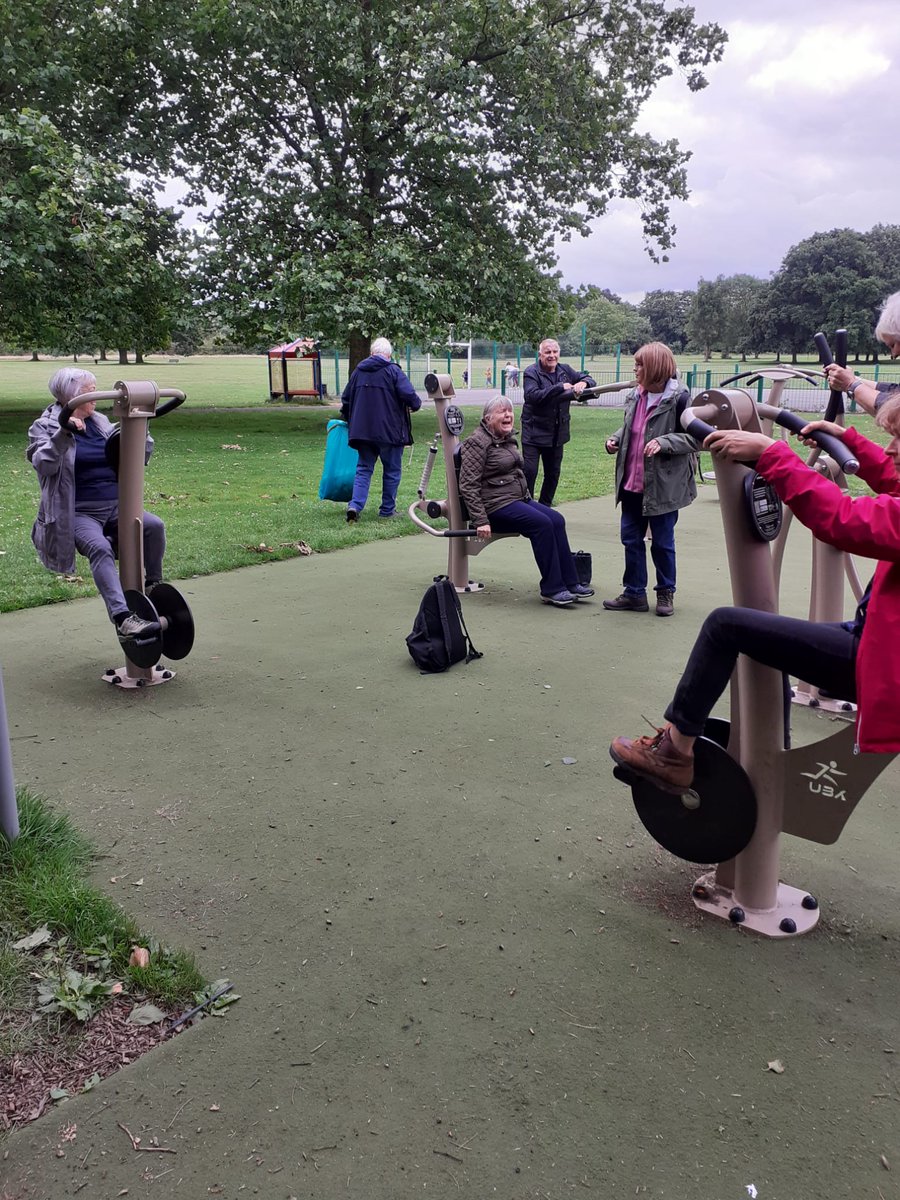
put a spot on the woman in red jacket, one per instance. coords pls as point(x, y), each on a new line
point(856, 660)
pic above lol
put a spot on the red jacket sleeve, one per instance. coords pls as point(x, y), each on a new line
point(865, 525)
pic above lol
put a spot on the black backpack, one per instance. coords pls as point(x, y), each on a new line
point(439, 636)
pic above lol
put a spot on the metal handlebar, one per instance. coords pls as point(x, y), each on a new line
point(450, 533)
point(176, 398)
point(833, 446)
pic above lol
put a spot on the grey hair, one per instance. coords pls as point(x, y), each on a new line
point(382, 347)
point(889, 319)
point(887, 416)
point(495, 402)
point(66, 382)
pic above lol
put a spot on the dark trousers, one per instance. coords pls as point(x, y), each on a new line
point(551, 457)
point(819, 653)
point(545, 528)
point(633, 531)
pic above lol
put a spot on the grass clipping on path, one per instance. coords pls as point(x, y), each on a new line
point(82, 990)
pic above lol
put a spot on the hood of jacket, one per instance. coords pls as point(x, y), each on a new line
point(374, 363)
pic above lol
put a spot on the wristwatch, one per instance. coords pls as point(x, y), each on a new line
point(851, 390)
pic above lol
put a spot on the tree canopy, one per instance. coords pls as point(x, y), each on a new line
point(390, 166)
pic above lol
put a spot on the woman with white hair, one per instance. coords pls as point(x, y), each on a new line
point(492, 483)
point(79, 506)
point(870, 395)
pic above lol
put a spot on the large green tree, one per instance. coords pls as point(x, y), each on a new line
point(87, 260)
point(390, 166)
point(666, 313)
point(828, 281)
point(608, 323)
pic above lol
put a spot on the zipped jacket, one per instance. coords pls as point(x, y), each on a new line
point(376, 404)
point(51, 451)
point(545, 408)
point(491, 474)
point(870, 527)
point(668, 476)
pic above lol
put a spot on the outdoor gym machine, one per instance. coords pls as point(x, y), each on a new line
point(464, 541)
point(135, 404)
point(748, 789)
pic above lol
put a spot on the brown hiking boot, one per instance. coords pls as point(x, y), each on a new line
point(655, 758)
point(628, 603)
point(665, 602)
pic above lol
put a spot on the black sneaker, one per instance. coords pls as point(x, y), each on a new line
point(628, 603)
point(352, 516)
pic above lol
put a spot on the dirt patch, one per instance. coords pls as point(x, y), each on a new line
point(68, 1059)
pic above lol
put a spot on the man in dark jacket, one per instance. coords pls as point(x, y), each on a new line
point(376, 404)
point(550, 387)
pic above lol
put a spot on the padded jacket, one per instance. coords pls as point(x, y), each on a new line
point(668, 476)
point(51, 451)
point(376, 404)
point(545, 410)
point(491, 474)
point(868, 526)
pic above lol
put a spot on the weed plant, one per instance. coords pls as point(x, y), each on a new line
point(43, 884)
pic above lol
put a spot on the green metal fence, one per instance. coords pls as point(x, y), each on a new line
point(498, 364)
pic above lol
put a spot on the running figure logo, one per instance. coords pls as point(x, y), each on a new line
point(824, 783)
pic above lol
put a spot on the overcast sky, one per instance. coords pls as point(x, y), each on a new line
point(795, 134)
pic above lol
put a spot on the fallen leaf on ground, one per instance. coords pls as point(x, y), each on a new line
point(776, 1066)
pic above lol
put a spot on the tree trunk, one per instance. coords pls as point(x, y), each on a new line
point(34, 356)
point(123, 357)
point(139, 358)
point(103, 354)
point(359, 348)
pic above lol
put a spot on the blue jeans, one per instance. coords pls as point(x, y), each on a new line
point(96, 537)
point(662, 546)
point(391, 467)
point(545, 528)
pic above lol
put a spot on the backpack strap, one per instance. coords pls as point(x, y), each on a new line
point(445, 620)
point(472, 652)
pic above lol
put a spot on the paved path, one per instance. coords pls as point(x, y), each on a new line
point(465, 969)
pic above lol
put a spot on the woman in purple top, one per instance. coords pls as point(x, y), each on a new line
point(654, 477)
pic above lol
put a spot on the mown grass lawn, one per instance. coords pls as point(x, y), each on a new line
point(228, 507)
point(221, 504)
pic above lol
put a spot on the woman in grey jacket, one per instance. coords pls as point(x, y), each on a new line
point(79, 507)
point(492, 484)
point(654, 477)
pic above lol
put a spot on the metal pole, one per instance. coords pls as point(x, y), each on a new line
point(583, 344)
point(337, 373)
point(618, 361)
point(494, 368)
point(408, 360)
point(9, 813)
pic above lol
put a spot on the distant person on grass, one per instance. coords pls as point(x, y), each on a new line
point(376, 404)
point(79, 506)
point(550, 387)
